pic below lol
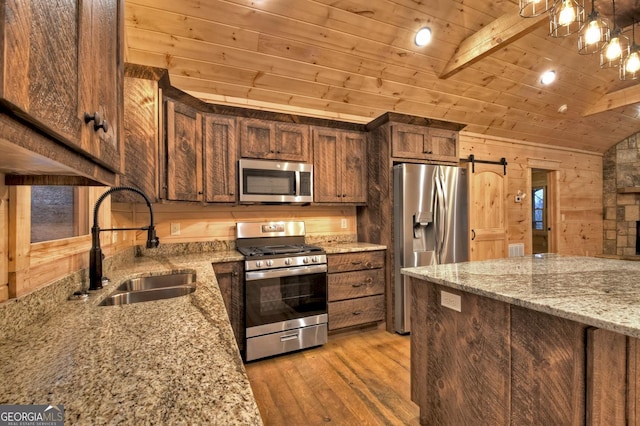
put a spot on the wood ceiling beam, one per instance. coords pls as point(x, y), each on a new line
point(499, 33)
point(613, 100)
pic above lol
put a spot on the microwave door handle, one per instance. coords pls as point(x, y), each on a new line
point(297, 190)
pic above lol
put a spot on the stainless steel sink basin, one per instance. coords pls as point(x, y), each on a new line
point(157, 281)
point(128, 297)
point(156, 287)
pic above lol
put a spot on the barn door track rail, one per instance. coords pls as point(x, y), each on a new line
point(472, 159)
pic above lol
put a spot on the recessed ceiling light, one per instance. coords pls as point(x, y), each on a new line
point(548, 77)
point(423, 36)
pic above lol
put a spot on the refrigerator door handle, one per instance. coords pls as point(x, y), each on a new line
point(441, 228)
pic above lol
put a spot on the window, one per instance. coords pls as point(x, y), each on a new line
point(58, 212)
point(539, 209)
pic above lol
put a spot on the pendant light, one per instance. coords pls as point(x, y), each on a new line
point(630, 66)
point(567, 17)
point(594, 34)
point(533, 8)
point(614, 52)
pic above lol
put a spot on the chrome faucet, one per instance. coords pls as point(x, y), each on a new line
point(95, 255)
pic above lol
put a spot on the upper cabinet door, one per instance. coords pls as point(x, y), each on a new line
point(339, 166)
point(424, 143)
point(274, 141)
point(220, 153)
point(183, 153)
point(61, 60)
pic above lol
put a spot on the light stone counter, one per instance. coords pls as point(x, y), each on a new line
point(603, 293)
point(350, 247)
point(172, 361)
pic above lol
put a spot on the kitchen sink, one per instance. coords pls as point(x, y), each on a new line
point(138, 296)
point(156, 287)
point(157, 281)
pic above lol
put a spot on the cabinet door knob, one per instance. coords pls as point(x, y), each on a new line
point(103, 125)
point(98, 123)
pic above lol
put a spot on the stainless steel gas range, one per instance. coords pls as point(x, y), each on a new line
point(285, 288)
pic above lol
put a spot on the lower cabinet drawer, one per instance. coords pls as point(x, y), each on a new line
point(356, 311)
point(348, 285)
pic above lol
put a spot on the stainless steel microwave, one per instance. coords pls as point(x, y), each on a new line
point(266, 181)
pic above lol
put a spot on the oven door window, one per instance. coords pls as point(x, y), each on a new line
point(273, 300)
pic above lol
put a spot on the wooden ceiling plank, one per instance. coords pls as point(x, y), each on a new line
point(494, 36)
point(610, 101)
point(339, 96)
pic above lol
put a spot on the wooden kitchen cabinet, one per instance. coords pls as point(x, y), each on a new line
point(63, 61)
point(339, 166)
point(424, 143)
point(355, 288)
point(230, 276)
point(220, 159)
point(273, 140)
point(183, 153)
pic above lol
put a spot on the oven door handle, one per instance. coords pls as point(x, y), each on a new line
point(284, 272)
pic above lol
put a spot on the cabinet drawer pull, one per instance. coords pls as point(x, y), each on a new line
point(288, 337)
point(98, 123)
point(356, 285)
point(357, 313)
point(356, 262)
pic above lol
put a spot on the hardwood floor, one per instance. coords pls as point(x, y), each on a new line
point(356, 379)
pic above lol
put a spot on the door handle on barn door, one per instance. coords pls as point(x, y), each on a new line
point(473, 234)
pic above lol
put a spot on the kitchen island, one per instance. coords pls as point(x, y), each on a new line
point(541, 339)
point(172, 361)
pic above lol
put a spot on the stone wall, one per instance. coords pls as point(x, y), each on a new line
point(621, 171)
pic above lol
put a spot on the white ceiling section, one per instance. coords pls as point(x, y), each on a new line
point(354, 60)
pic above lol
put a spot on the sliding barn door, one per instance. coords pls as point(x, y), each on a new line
point(487, 212)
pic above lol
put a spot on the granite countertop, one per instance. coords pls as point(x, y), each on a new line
point(350, 247)
point(172, 361)
point(603, 293)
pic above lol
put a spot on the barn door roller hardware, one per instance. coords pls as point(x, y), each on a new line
point(473, 161)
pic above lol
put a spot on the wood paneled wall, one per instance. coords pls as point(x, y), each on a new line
point(217, 223)
point(579, 199)
point(4, 240)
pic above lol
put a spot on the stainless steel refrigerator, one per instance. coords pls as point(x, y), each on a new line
point(430, 220)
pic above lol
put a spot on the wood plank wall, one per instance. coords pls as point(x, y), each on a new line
point(580, 214)
point(580, 220)
point(217, 223)
point(4, 240)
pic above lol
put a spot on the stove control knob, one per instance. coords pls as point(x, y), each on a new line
point(314, 259)
point(287, 261)
point(305, 260)
point(259, 263)
point(269, 262)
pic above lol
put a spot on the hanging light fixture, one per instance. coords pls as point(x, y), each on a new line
point(594, 34)
point(630, 66)
point(567, 17)
point(617, 49)
point(533, 8)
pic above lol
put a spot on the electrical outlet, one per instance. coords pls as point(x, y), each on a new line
point(175, 229)
point(451, 301)
point(343, 223)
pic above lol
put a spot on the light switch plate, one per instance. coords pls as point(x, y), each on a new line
point(451, 301)
point(175, 229)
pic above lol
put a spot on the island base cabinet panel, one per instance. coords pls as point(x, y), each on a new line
point(607, 378)
point(547, 369)
point(464, 362)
